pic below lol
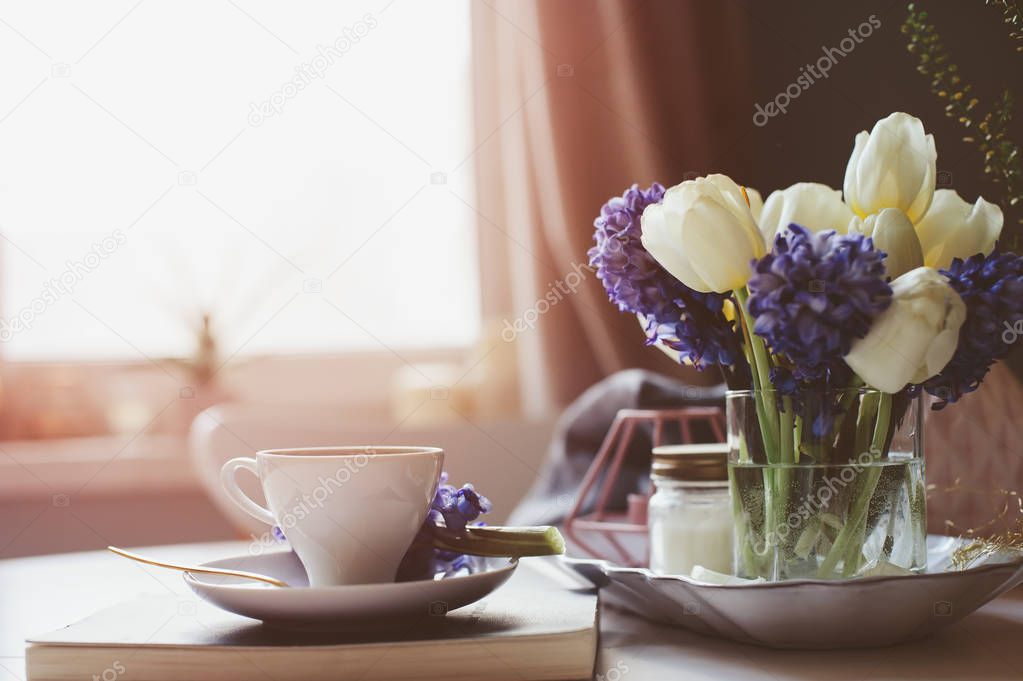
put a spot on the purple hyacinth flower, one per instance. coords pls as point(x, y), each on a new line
point(451, 511)
point(992, 289)
point(812, 295)
point(691, 323)
point(634, 281)
point(471, 504)
point(784, 382)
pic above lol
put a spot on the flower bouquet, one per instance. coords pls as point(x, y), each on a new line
point(831, 315)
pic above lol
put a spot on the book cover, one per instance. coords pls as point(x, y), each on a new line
point(540, 625)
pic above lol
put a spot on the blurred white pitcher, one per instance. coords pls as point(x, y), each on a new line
point(350, 513)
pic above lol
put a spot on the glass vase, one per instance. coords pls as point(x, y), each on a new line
point(826, 486)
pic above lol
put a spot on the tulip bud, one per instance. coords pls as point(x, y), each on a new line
point(704, 234)
point(915, 337)
point(893, 233)
point(892, 167)
point(952, 228)
point(815, 206)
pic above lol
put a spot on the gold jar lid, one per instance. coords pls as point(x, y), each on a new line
point(696, 463)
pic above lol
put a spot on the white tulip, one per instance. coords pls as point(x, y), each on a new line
point(893, 233)
point(952, 228)
point(815, 206)
point(915, 337)
point(892, 167)
point(704, 234)
point(756, 203)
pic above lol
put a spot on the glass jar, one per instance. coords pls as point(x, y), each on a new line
point(842, 498)
point(689, 516)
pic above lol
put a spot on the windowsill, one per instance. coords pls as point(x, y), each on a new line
point(102, 466)
point(360, 389)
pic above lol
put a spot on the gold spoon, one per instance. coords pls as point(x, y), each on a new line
point(190, 568)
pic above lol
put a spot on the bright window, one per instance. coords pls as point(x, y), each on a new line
point(302, 175)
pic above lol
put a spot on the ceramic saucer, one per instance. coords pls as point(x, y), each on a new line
point(301, 606)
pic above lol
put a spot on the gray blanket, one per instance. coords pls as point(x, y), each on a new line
point(582, 428)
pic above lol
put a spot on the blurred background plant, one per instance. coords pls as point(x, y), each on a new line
point(987, 127)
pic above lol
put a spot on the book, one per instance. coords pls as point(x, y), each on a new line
point(540, 625)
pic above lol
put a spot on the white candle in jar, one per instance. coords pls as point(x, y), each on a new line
point(690, 519)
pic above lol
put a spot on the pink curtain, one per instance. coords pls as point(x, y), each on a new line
point(576, 100)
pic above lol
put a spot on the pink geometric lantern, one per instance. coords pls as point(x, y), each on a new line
point(616, 528)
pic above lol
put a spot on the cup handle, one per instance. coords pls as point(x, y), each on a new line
point(230, 483)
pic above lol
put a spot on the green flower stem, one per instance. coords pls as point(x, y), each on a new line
point(785, 429)
point(797, 439)
point(884, 416)
point(742, 529)
point(783, 474)
point(513, 542)
point(744, 450)
point(852, 558)
point(767, 410)
point(765, 431)
point(865, 422)
point(758, 402)
point(776, 429)
point(763, 363)
point(845, 404)
point(861, 503)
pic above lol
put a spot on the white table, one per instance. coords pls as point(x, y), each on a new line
point(43, 593)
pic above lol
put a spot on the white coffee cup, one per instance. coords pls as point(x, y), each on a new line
point(350, 513)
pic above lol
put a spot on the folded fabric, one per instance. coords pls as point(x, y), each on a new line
point(583, 427)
